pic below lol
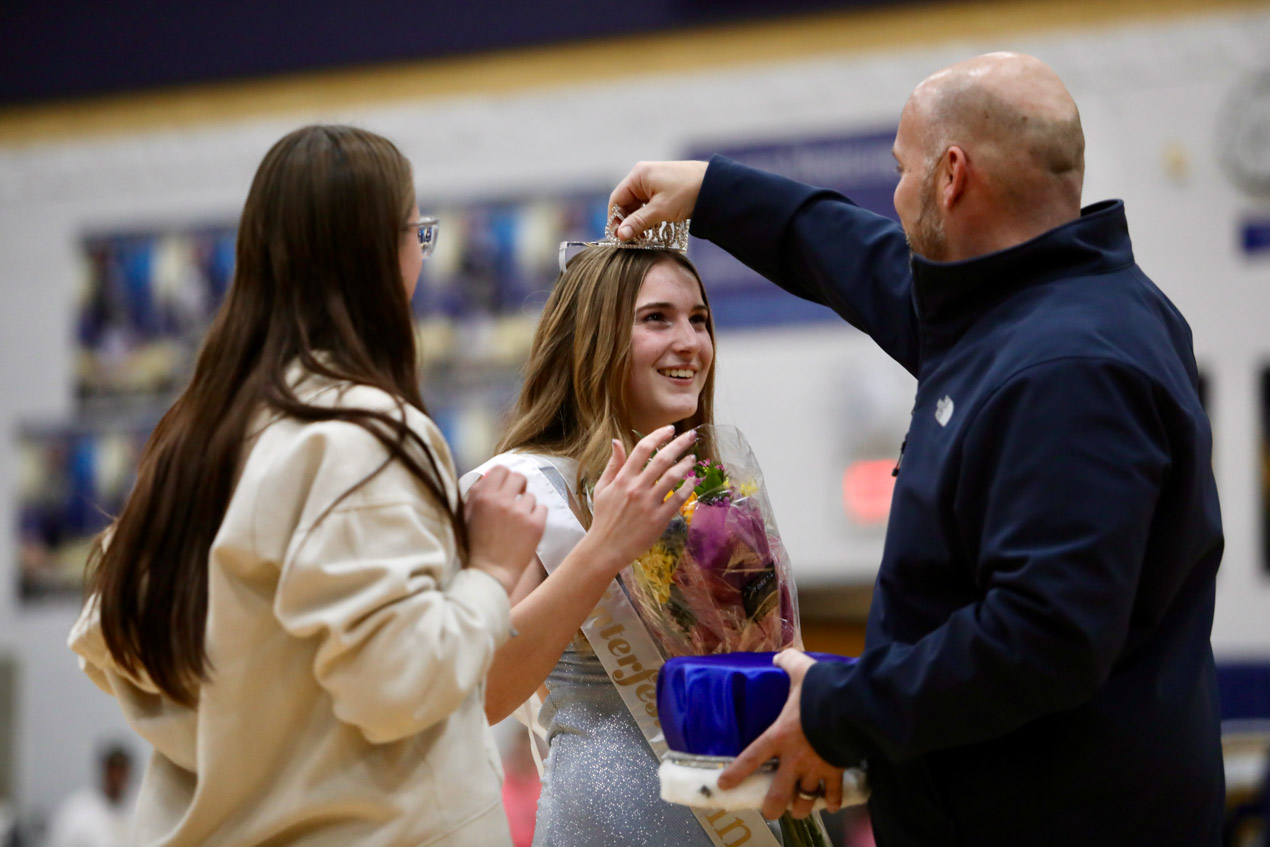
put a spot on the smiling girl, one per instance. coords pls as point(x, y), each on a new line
point(623, 359)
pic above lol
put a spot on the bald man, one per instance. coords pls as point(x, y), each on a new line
point(1037, 668)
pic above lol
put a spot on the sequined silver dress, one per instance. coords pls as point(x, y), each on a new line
point(599, 785)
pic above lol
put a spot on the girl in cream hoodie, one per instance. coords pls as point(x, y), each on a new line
point(293, 608)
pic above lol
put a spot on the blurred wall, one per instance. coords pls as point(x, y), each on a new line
point(1158, 89)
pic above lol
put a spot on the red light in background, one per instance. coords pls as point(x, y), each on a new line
point(866, 490)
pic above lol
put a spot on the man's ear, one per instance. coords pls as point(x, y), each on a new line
point(954, 176)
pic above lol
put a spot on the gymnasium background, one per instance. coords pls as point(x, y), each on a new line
point(127, 143)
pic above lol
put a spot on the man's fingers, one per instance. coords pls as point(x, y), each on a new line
point(656, 192)
point(793, 662)
point(781, 792)
point(748, 762)
point(785, 658)
point(645, 217)
point(804, 798)
point(635, 223)
point(833, 793)
point(629, 194)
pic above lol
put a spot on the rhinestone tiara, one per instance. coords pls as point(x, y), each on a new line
point(668, 235)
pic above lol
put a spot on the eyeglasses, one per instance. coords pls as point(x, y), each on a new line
point(426, 228)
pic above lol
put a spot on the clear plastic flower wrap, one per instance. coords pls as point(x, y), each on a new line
point(718, 580)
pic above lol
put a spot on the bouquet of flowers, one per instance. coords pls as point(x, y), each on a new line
point(718, 580)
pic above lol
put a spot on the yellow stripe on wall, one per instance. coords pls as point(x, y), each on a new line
point(615, 58)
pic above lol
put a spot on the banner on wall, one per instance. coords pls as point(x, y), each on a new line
point(858, 164)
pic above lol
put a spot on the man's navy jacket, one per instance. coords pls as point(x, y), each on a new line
point(1037, 668)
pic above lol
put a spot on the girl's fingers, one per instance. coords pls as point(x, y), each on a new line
point(668, 456)
point(515, 483)
point(644, 448)
point(616, 462)
point(674, 476)
point(499, 481)
point(493, 478)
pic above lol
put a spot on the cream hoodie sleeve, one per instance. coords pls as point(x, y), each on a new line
point(403, 635)
point(166, 724)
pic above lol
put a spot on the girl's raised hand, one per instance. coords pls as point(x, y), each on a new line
point(635, 497)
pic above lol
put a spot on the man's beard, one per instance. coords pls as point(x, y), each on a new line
point(927, 238)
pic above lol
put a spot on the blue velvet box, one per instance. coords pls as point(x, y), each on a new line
point(716, 705)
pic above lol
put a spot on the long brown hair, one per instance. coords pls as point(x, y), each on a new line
point(317, 280)
point(574, 397)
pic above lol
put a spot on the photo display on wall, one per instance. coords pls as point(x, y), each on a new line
point(71, 479)
point(147, 298)
point(477, 306)
point(145, 301)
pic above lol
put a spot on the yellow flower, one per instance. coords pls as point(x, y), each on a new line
point(748, 489)
point(689, 506)
point(653, 573)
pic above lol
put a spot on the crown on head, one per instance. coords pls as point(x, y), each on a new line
point(667, 235)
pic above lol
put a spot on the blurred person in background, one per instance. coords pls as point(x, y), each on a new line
point(98, 816)
point(521, 782)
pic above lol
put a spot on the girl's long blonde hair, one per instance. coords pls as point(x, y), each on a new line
point(574, 398)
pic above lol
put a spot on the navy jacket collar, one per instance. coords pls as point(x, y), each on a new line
point(951, 295)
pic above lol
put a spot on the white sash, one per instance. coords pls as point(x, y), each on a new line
point(622, 643)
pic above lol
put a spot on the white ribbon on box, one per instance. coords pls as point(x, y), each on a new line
point(689, 780)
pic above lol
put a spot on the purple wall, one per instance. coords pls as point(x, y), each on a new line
point(56, 49)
